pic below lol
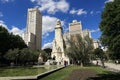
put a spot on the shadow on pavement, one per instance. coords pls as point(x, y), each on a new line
point(109, 76)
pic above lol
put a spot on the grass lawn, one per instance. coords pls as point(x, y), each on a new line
point(62, 74)
point(23, 71)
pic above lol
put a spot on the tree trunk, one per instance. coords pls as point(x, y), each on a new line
point(102, 62)
point(81, 64)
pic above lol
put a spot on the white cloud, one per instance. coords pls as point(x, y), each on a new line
point(52, 6)
point(66, 30)
point(48, 24)
point(65, 26)
point(17, 31)
point(2, 23)
point(94, 12)
point(97, 12)
point(47, 45)
point(1, 15)
point(14, 30)
point(96, 30)
point(109, 1)
point(6, 1)
point(45, 35)
point(78, 12)
point(91, 12)
point(73, 11)
point(32, 0)
point(81, 11)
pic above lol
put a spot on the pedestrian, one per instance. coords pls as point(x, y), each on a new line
point(97, 63)
point(116, 61)
point(65, 63)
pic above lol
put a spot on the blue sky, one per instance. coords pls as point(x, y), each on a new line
point(13, 15)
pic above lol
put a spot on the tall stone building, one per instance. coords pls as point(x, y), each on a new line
point(33, 34)
point(96, 44)
point(75, 28)
point(61, 40)
point(58, 46)
point(86, 33)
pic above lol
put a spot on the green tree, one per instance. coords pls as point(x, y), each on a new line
point(79, 49)
point(25, 55)
point(9, 41)
point(99, 53)
point(12, 55)
point(4, 43)
point(48, 51)
point(110, 27)
point(4, 40)
point(44, 55)
point(16, 42)
point(35, 56)
point(28, 56)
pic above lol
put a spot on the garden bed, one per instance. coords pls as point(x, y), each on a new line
point(24, 71)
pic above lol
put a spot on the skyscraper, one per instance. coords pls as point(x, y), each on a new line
point(33, 33)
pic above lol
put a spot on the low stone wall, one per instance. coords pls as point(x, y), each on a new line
point(39, 76)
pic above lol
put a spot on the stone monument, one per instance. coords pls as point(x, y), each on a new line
point(40, 59)
point(58, 46)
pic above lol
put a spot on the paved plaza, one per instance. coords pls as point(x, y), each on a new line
point(113, 67)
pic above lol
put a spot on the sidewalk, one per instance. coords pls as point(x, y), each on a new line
point(110, 66)
point(113, 67)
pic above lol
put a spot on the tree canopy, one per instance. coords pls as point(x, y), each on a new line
point(48, 52)
point(4, 40)
point(11, 54)
point(79, 49)
point(22, 56)
point(9, 41)
point(99, 54)
point(110, 27)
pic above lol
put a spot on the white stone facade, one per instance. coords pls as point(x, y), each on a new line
point(86, 33)
point(75, 28)
point(58, 46)
point(33, 34)
point(96, 44)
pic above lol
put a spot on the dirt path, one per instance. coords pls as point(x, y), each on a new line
point(83, 74)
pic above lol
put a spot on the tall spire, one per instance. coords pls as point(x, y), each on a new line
point(58, 45)
point(58, 24)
